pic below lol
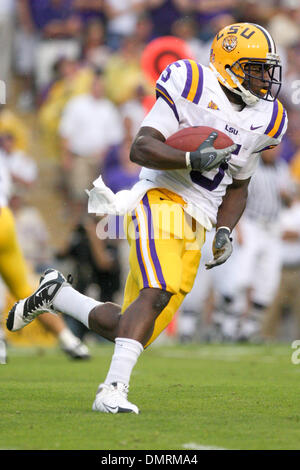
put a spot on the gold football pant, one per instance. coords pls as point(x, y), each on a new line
point(13, 268)
point(165, 250)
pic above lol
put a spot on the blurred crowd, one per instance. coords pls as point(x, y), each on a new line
point(74, 81)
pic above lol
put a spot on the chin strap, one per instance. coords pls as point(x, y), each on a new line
point(248, 98)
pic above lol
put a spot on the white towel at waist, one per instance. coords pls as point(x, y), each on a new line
point(103, 201)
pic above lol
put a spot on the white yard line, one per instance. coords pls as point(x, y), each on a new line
point(196, 446)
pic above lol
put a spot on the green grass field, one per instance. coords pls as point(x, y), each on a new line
point(220, 396)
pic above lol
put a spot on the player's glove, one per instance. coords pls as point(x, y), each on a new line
point(206, 157)
point(222, 247)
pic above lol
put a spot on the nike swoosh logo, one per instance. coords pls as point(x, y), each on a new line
point(252, 128)
point(111, 409)
point(39, 292)
point(117, 409)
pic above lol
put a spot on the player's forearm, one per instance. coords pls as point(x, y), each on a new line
point(233, 205)
point(151, 152)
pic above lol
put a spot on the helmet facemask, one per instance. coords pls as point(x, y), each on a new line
point(245, 72)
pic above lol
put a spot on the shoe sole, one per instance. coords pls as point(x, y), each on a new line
point(76, 356)
point(11, 318)
point(120, 410)
point(113, 410)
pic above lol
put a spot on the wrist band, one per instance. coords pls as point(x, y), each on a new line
point(188, 160)
point(227, 228)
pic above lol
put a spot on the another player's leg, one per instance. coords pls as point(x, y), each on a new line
point(14, 272)
point(69, 343)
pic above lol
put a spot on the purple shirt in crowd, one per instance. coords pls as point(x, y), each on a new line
point(45, 11)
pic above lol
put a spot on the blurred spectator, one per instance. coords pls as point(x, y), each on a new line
point(48, 30)
point(89, 126)
point(144, 29)
point(51, 18)
point(95, 264)
point(186, 28)
point(23, 169)
point(89, 10)
point(11, 123)
point(123, 72)
point(259, 254)
point(295, 142)
point(32, 232)
point(255, 11)
point(291, 142)
point(215, 24)
point(206, 11)
point(7, 17)
point(287, 299)
point(72, 79)
point(118, 171)
point(121, 19)
point(290, 90)
point(133, 112)
point(284, 24)
point(165, 12)
point(95, 51)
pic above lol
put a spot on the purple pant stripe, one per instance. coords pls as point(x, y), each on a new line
point(138, 252)
point(153, 252)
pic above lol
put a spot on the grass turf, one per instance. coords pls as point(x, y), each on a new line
point(225, 396)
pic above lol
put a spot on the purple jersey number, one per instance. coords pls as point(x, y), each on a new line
point(167, 72)
point(207, 183)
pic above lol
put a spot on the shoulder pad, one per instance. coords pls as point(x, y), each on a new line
point(183, 78)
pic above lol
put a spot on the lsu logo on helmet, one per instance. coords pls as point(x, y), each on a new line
point(229, 43)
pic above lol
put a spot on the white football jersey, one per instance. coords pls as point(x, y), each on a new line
point(189, 94)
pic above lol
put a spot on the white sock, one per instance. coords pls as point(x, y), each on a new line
point(67, 339)
point(126, 354)
point(71, 302)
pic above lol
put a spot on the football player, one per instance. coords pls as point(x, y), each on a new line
point(236, 94)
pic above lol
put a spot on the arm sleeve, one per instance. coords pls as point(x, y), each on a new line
point(161, 118)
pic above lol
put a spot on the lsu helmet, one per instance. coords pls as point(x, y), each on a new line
point(239, 48)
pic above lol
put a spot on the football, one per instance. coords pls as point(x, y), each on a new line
point(190, 138)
